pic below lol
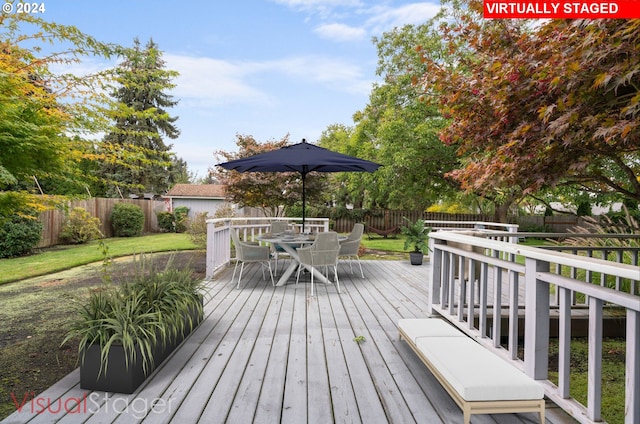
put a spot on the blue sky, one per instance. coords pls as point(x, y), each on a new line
point(265, 68)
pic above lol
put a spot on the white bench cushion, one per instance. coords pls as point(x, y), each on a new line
point(428, 327)
point(476, 373)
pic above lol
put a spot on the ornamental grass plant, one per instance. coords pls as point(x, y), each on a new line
point(140, 311)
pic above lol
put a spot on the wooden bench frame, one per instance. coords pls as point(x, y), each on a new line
point(478, 407)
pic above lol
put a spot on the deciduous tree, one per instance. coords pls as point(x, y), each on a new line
point(532, 107)
point(41, 111)
point(399, 127)
point(273, 192)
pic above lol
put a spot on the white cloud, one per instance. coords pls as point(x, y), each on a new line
point(213, 81)
point(308, 4)
point(333, 73)
point(343, 19)
point(340, 32)
point(385, 19)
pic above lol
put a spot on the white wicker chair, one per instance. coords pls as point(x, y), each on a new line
point(350, 247)
point(278, 227)
point(250, 253)
point(322, 253)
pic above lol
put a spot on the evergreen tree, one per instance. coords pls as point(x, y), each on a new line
point(143, 161)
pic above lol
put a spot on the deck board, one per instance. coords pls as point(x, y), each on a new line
point(266, 354)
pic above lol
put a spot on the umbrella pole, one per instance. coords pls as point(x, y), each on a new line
point(303, 200)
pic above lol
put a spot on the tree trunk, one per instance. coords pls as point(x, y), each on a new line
point(500, 212)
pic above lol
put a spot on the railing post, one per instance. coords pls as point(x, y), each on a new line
point(435, 274)
point(209, 260)
point(536, 325)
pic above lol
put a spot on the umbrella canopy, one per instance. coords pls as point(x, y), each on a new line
point(302, 158)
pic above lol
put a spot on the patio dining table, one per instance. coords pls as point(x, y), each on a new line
point(289, 244)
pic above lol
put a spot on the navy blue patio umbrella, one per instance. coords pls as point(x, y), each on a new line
point(302, 158)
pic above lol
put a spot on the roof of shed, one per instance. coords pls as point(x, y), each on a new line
point(197, 190)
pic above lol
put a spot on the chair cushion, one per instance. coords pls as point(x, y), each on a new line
point(428, 327)
point(476, 373)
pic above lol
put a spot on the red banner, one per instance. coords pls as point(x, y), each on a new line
point(563, 9)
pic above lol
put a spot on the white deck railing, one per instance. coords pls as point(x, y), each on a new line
point(219, 237)
point(497, 278)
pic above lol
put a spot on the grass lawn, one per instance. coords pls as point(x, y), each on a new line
point(59, 258)
point(379, 248)
point(613, 377)
point(387, 244)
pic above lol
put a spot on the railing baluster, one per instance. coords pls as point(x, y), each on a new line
point(452, 283)
point(446, 279)
point(588, 273)
point(633, 284)
point(463, 289)
point(574, 275)
point(564, 341)
point(514, 294)
point(632, 389)
point(482, 317)
point(497, 306)
point(619, 256)
point(603, 276)
point(472, 292)
point(594, 359)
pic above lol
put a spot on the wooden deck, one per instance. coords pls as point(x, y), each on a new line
point(276, 355)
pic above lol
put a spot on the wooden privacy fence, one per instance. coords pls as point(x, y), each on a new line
point(53, 220)
point(389, 219)
point(383, 220)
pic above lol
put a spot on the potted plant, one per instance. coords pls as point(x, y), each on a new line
point(126, 330)
point(416, 237)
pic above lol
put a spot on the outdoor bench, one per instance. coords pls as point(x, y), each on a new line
point(478, 381)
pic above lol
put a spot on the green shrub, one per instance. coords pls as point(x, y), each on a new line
point(166, 221)
point(80, 227)
point(19, 234)
point(127, 220)
point(198, 230)
point(174, 222)
point(584, 209)
point(181, 215)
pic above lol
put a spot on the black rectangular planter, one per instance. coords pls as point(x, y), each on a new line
point(119, 378)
